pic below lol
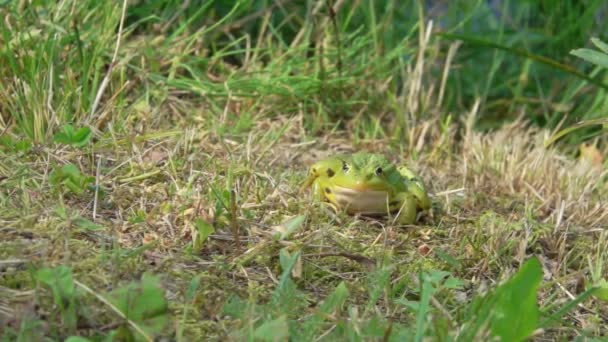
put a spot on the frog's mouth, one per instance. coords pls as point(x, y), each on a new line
point(366, 201)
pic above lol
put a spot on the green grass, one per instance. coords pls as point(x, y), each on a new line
point(149, 175)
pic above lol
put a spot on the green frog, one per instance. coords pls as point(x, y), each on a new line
point(368, 184)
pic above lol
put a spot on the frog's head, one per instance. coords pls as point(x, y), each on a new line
point(359, 172)
point(366, 172)
point(327, 168)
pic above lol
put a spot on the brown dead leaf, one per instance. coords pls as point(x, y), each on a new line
point(424, 249)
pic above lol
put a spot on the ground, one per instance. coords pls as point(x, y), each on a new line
point(498, 200)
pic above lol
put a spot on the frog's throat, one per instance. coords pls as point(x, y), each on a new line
point(361, 201)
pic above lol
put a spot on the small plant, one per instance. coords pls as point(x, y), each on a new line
point(59, 281)
point(510, 311)
point(74, 219)
point(599, 58)
point(203, 230)
point(69, 178)
point(14, 146)
point(144, 308)
point(76, 137)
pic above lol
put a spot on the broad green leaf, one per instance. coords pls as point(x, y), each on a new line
point(203, 230)
point(71, 171)
point(65, 135)
point(275, 330)
point(77, 339)
point(61, 283)
point(69, 136)
point(378, 282)
point(330, 305)
point(193, 287)
point(82, 136)
point(598, 58)
point(336, 299)
point(236, 307)
point(515, 313)
point(70, 177)
point(86, 224)
point(287, 260)
point(144, 303)
point(288, 227)
point(601, 291)
point(60, 211)
point(600, 44)
point(423, 309)
point(73, 186)
point(59, 279)
point(453, 283)
point(23, 146)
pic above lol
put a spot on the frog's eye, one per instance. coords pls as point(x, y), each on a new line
point(378, 171)
point(345, 167)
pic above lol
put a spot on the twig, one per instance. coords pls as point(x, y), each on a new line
point(234, 225)
point(355, 257)
point(96, 188)
point(106, 79)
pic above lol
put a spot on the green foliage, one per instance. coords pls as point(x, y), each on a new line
point(287, 228)
point(52, 63)
point(15, 146)
point(203, 230)
point(598, 281)
point(69, 136)
point(59, 281)
point(81, 223)
point(29, 330)
point(68, 178)
point(515, 313)
point(144, 304)
point(77, 339)
point(599, 58)
point(511, 310)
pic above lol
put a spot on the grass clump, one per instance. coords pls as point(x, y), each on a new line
point(151, 156)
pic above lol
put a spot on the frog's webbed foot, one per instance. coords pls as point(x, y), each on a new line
point(407, 211)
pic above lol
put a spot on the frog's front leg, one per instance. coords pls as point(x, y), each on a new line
point(416, 187)
point(317, 191)
point(407, 208)
point(319, 194)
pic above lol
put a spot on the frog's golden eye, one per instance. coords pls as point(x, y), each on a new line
point(378, 171)
point(345, 167)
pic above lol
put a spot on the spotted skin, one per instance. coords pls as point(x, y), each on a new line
point(368, 184)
